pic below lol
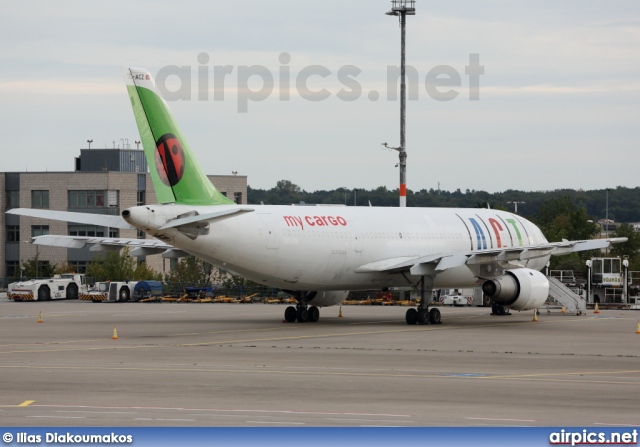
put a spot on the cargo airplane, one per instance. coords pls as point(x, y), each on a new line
point(320, 253)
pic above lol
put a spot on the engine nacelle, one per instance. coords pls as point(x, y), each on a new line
point(327, 298)
point(518, 289)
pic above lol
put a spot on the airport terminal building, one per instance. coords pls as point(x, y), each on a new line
point(105, 181)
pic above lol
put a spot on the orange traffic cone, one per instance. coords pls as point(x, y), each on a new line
point(638, 328)
point(535, 315)
point(340, 314)
point(564, 310)
point(596, 310)
point(115, 334)
point(40, 317)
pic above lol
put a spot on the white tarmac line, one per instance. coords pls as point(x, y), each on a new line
point(615, 425)
point(58, 417)
point(95, 412)
point(365, 420)
point(503, 420)
point(279, 423)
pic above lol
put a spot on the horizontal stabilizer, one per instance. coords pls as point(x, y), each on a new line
point(182, 221)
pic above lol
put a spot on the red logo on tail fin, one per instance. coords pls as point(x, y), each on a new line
point(169, 159)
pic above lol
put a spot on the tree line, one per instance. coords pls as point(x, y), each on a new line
point(624, 203)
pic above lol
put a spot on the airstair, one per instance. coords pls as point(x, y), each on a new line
point(561, 295)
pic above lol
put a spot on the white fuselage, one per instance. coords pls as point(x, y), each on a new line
point(322, 247)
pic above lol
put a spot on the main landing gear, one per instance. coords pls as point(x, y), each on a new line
point(498, 309)
point(422, 314)
point(301, 312)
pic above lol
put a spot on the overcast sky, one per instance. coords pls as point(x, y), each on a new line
point(559, 100)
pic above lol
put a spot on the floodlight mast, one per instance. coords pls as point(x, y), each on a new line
point(402, 8)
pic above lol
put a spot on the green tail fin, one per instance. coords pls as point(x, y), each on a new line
point(176, 175)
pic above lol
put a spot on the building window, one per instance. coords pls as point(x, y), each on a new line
point(78, 266)
point(39, 199)
point(113, 198)
point(13, 269)
point(13, 233)
point(86, 199)
point(86, 230)
point(13, 199)
point(141, 198)
point(237, 197)
point(142, 234)
point(224, 193)
point(39, 230)
point(114, 232)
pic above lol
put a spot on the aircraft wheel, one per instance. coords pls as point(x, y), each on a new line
point(44, 294)
point(302, 315)
point(423, 316)
point(411, 316)
point(124, 294)
point(313, 314)
point(72, 292)
point(290, 314)
point(434, 316)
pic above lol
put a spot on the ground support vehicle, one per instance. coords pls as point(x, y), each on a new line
point(113, 291)
point(464, 297)
point(64, 286)
point(146, 289)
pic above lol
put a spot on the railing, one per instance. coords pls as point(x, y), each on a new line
point(573, 302)
point(563, 275)
point(397, 5)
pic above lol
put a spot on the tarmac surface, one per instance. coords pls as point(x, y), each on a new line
point(240, 365)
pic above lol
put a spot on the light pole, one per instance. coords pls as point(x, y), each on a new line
point(89, 142)
point(402, 8)
point(606, 222)
point(606, 229)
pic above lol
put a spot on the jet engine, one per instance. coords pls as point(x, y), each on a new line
point(327, 298)
point(518, 289)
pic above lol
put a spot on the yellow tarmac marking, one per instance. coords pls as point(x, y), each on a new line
point(26, 403)
point(51, 343)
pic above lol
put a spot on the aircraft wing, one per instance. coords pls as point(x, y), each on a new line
point(103, 220)
point(138, 247)
point(442, 261)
